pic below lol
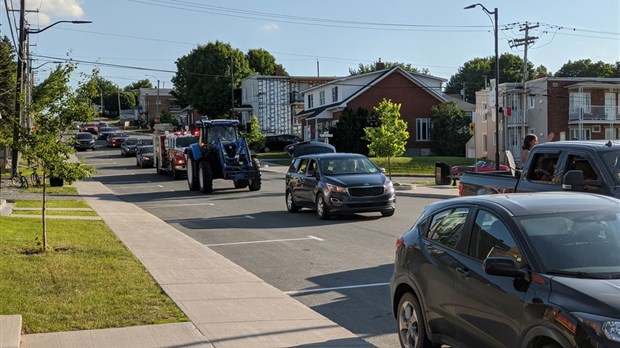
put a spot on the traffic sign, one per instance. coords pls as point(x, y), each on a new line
point(472, 128)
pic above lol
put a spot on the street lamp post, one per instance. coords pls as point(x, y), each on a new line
point(495, 15)
point(21, 59)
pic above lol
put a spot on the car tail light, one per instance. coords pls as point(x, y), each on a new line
point(399, 242)
point(460, 190)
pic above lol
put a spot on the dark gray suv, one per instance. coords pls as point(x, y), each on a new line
point(333, 183)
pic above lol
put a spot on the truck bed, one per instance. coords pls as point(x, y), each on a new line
point(474, 184)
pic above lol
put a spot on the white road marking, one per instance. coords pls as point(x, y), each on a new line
point(174, 205)
point(265, 241)
point(300, 292)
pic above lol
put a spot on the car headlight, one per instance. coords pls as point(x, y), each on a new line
point(336, 188)
point(389, 186)
point(603, 326)
point(146, 158)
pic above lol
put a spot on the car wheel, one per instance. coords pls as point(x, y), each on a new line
point(290, 203)
point(388, 213)
point(410, 321)
point(205, 177)
point(192, 183)
point(321, 207)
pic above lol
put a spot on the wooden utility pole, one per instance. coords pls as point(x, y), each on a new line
point(20, 73)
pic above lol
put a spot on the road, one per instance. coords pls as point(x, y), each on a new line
point(339, 267)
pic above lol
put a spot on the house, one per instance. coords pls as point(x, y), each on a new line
point(417, 94)
point(151, 101)
point(274, 100)
point(572, 108)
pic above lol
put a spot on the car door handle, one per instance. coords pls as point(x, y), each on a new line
point(463, 271)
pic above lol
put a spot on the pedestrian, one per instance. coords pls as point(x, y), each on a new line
point(528, 142)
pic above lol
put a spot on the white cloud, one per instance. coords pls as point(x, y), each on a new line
point(270, 27)
point(50, 10)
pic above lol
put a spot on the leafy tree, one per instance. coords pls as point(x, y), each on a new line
point(349, 134)
point(8, 81)
point(203, 78)
point(586, 68)
point(541, 71)
point(98, 88)
point(55, 108)
point(472, 76)
point(134, 86)
point(390, 137)
point(363, 69)
point(254, 137)
point(450, 131)
point(127, 99)
point(166, 117)
point(262, 62)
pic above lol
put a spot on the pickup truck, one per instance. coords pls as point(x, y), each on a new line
point(585, 166)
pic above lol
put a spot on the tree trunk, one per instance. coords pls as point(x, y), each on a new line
point(43, 211)
point(390, 167)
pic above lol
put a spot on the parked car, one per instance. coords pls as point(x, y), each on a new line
point(333, 183)
point(479, 167)
point(144, 156)
point(104, 132)
point(84, 141)
point(128, 147)
point(116, 139)
point(511, 270)
point(279, 142)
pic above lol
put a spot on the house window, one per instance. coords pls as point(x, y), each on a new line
point(484, 143)
point(310, 101)
point(531, 102)
point(423, 129)
point(335, 94)
point(579, 101)
point(584, 134)
point(322, 98)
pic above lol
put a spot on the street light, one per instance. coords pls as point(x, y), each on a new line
point(23, 38)
point(494, 13)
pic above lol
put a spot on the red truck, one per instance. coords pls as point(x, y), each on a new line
point(169, 152)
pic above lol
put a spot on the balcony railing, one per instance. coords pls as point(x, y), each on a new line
point(516, 118)
point(594, 113)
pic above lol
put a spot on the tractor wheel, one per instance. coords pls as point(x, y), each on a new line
point(192, 176)
point(241, 183)
point(205, 177)
point(255, 182)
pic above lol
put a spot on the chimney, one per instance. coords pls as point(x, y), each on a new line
point(379, 65)
point(278, 70)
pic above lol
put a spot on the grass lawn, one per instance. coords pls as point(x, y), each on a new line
point(87, 280)
point(63, 190)
point(55, 212)
point(420, 165)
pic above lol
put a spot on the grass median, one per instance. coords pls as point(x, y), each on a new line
point(87, 280)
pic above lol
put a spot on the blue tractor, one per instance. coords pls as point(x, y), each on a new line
point(221, 154)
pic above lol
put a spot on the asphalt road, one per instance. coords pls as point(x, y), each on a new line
point(339, 267)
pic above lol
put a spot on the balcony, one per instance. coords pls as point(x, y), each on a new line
point(594, 114)
point(516, 119)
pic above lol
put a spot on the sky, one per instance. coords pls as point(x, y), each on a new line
point(131, 40)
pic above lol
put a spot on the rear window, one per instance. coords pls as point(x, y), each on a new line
point(83, 136)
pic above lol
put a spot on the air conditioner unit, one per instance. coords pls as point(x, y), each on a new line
point(425, 152)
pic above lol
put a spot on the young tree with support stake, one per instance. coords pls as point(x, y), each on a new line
point(55, 109)
point(390, 137)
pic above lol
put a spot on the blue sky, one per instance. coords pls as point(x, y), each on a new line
point(437, 34)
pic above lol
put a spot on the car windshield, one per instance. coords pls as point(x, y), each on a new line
point(227, 133)
point(579, 242)
point(347, 165)
point(612, 162)
point(147, 150)
point(186, 141)
point(131, 142)
point(84, 136)
point(119, 135)
point(146, 141)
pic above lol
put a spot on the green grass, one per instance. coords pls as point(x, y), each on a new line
point(86, 280)
point(55, 212)
point(57, 203)
point(62, 190)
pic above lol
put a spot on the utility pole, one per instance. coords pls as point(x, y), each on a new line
point(19, 87)
point(525, 42)
point(157, 101)
point(232, 88)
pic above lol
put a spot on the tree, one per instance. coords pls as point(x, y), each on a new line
point(262, 62)
point(203, 78)
point(390, 137)
point(363, 69)
point(55, 109)
point(8, 81)
point(99, 89)
point(473, 75)
point(349, 134)
point(134, 86)
point(450, 131)
point(586, 68)
point(254, 137)
point(166, 117)
point(111, 101)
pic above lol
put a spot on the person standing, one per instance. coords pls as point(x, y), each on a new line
point(528, 142)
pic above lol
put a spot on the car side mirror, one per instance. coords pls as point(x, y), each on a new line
point(501, 266)
point(382, 170)
point(573, 180)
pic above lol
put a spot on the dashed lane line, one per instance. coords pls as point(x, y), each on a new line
point(267, 241)
point(309, 291)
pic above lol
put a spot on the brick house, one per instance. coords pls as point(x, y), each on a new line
point(573, 108)
point(149, 98)
point(417, 94)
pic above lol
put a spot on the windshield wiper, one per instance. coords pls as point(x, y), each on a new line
point(578, 274)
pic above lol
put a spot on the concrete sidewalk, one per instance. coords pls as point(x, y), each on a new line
point(227, 306)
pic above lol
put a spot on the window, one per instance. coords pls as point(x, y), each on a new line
point(531, 102)
point(446, 227)
point(543, 169)
point(310, 101)
point(423, 129)
point(485, 146)
point(579, 101)
point(584, 134)
point(302, 166)
point(490, 237)
point(335, 94)
point(322, 98)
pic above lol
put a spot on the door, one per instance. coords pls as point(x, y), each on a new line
point(295, 177)
point(488, 308)
point(309, 182)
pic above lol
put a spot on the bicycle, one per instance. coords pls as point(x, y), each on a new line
point(19, 180)
point(35, 179)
